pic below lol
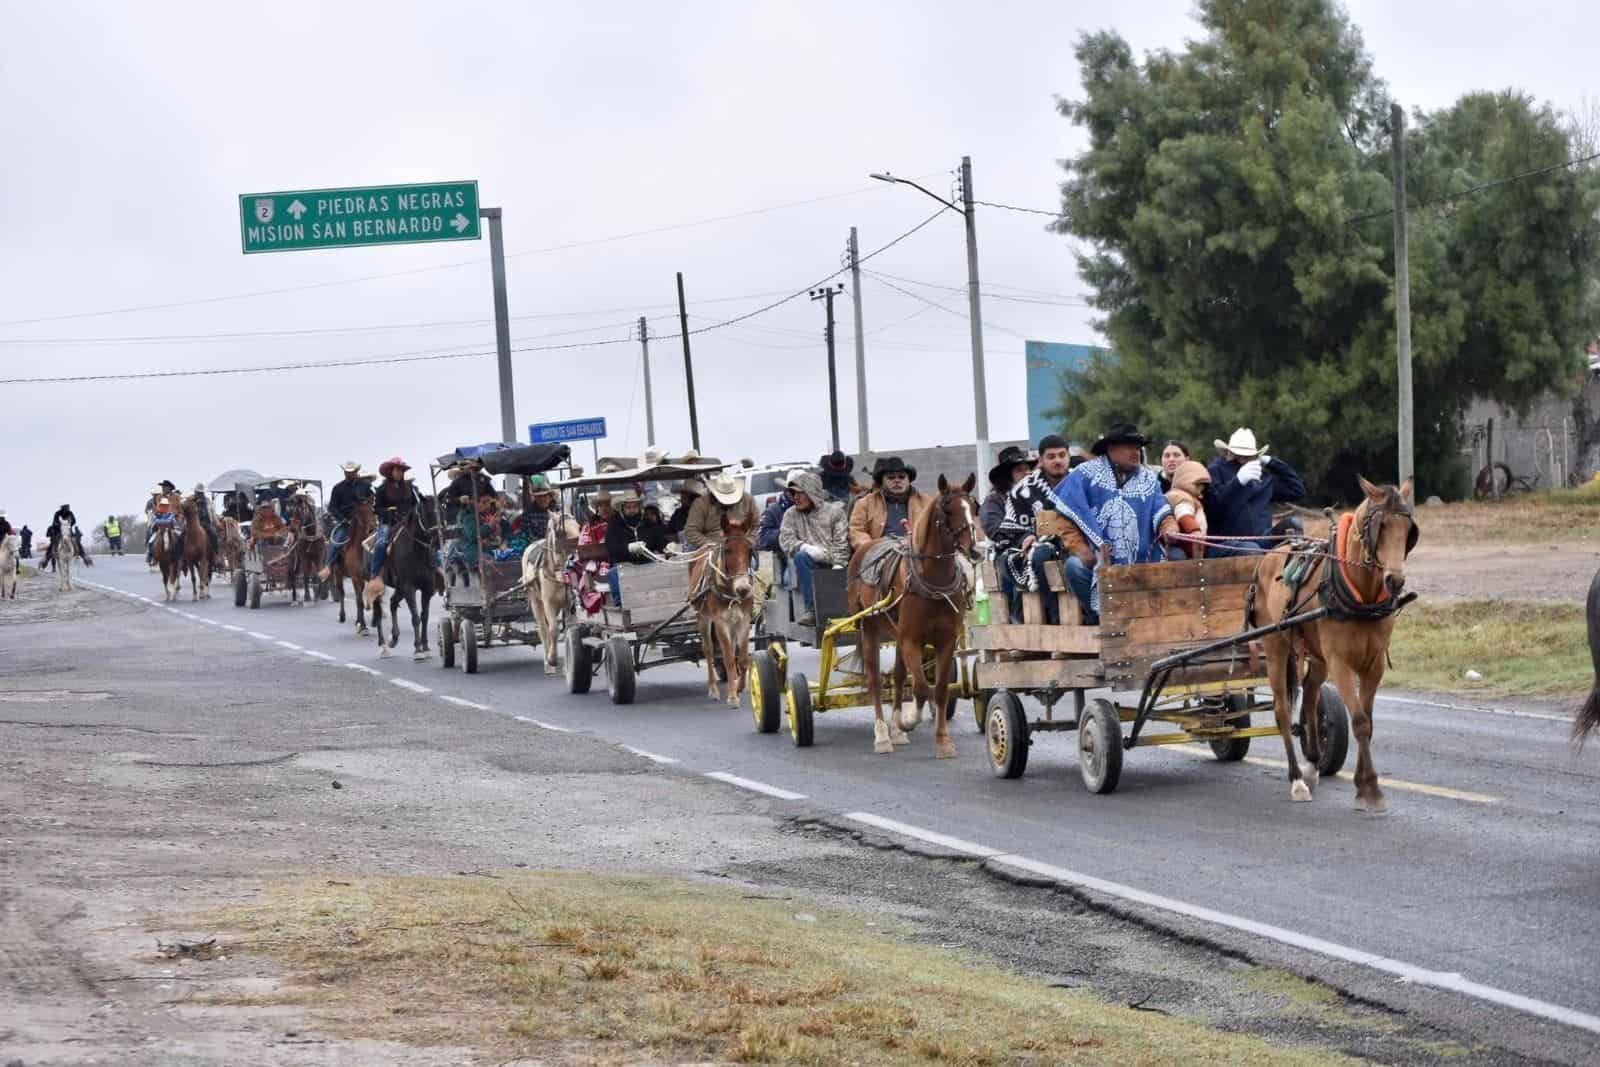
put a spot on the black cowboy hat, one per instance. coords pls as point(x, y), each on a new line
point(1120, 433)
point(892, 465)
point(836, 462)
point(166, 484)
point(1010, 456)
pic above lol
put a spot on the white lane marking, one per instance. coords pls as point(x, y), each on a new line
point(1400, 784)
point(259, 636)
point(407, 683)
point(231, 626)
point(653, 757)
point(364, 669)
point(190, 615)
point(458, 702)
point(318, 655)
point(147, 600)
point(543, 725)
point(290, 645)
point(211, 622)
point(1511, 712)
point(754, 786)
point(932, 837)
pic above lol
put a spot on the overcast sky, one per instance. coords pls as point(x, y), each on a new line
point(130, 130)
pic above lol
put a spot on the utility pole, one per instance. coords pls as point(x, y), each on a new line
point(826, 294)
point(980, 399)
point(854, 251)
point(502, 324)
point(1402, 291)
point(649, 406)
point(688, 364)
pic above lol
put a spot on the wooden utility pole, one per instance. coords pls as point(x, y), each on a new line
point(1402, 293)
point(688, 364)
point(826, 294)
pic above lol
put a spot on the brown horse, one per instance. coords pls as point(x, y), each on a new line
point(196, 560)
point(351, 562)
point(230, 545)
point(1365, 563)
point(930, 588)
point(166, 546)
point(1588, 717)
point(306, 547)
point(722, 591)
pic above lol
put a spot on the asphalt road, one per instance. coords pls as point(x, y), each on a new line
point(1481, 880)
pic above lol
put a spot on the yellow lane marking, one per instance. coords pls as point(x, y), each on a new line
point(1387, 783)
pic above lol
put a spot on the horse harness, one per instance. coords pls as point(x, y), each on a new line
point(918, 584)
point(1335, 590)
point(713, 559)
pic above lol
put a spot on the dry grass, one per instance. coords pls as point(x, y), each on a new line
point(604, 969)
point(1544, 517)
point(1519, 649)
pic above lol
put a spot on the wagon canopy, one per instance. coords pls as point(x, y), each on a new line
point(659, 472)
point(522, 460)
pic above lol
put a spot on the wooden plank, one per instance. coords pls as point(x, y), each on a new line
point(1032, 609)
point(1071, 610)
point(1185, 600)
point(1081, 639)
point(644, 577)
point(1040, 673)
point(1054, 580)
point(633, 598)
point(636, 618)
point(991, 578)
point(1166, 629)
point(1226, 571)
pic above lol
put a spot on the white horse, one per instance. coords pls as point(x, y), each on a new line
point(541, 580)
point(66, 559)
point(8, 568)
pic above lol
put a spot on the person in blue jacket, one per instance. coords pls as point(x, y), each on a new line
point(1245, 483)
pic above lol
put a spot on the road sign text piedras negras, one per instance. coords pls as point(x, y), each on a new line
point(336, 218)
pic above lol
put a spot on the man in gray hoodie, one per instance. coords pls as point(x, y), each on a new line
point(814, 534)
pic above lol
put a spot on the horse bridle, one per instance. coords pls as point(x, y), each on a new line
point(1370, 528)
point(714, 564)
point(917, 582)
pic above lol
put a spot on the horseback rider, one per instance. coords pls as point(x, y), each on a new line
point(202, 510)
point(113, 530)
point(65, 523)
point(725, 496)
point(396, 501)
point(891, 508)
point(158, 512)
point(347, 496)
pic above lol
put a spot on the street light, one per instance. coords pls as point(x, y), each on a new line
point(980, 401)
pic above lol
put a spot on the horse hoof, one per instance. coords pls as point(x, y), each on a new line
point(1377, 805)
point(945, 749)
point(735, 701)
point(1298, 791)
point(883, 748)
point(1311, 777)
point(383, 652)
point(899, 737)
point(421, 654)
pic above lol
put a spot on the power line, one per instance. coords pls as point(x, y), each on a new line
point(1452, 197)
point(988, 324)
point(988, 291)
point(1025, 210)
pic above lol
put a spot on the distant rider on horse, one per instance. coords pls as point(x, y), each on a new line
point(64, 527)
point(396, 502)
point(348, 496)
point(158, 512)
point(202, 510)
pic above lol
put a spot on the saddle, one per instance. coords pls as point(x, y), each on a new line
point(881, 563)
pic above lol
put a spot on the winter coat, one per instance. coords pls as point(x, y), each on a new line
point(823, 526)
point(705, 519)
point(871, 512)
point(1236, 510)
point(993, 511)
point(771, 519)
point(620, 533)
point(1189, 483)
point(347, 496)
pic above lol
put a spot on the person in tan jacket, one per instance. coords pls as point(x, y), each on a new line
point(725, 494)
point(893, 506)
point(1190, 480)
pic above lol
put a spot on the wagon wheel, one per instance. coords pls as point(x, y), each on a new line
point(580, 662)
point(1233, 749)
point(620, 673)
point(469, 646)
point(447, 644)
point(797, 703)
point(1005, 728)
point(1333, 720)
point(1100, 746)
point(241, 588)
point(766, 692)
point(255, 591)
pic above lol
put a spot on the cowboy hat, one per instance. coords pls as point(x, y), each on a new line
point(836, 462)
point(1120, 433)
point(1010, 456)
point(392, 464)
point(603, 497)
point(1242, 443)
point(165, 484)
point(627, 496)
point(726, 488)
point(892, 465)
point(350, 467)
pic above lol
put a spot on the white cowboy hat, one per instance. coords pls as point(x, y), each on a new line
point(1242, 443)
point(726, 488)
point(350, 467)
point(627, 496)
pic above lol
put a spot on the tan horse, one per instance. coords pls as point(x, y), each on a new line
point(542, 582)
point(1368, 551)
point(930, 588)
point(723, 594)
point(165, 547)
point(196, 552)
point(8, 568)
point(230, 545)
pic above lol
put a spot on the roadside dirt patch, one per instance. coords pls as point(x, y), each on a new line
point(1556, 573)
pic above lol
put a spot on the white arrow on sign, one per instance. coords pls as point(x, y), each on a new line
point(460, 223)
point(297, 209)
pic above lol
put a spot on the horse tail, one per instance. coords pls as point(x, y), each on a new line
point(1589, 715)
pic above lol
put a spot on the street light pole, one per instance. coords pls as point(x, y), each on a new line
point(980, 392)
point(502, 325)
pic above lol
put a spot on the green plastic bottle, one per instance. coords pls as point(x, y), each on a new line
point(980, 605)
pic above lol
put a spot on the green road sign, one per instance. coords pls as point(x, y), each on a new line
point(374, 215)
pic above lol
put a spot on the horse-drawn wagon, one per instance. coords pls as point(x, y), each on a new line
point(1173, 634)
point(485, 602)
point(283, 551)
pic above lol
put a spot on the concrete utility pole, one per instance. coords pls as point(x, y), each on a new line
point(854, 251)
point(1402, 292)
point(980, 389)
point(502, 325)
point(826, 294)
point(688, 364)
point(649, 406)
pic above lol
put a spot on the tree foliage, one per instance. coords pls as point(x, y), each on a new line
point(1223, 191)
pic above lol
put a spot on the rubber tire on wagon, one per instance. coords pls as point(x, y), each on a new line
point(766, 693)
point(1234, 749)
point(241, 589)
point(621, 676)
point(1334, 719)
point(1005, 729)
point(580, 662)
point(801, 717)
point(1100, 746)
point(469, 646)
point(447, 644)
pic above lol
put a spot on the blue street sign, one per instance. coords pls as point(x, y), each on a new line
point(544, 433)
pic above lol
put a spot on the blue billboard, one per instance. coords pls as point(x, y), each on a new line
point(1047, 363)
point(547, 433)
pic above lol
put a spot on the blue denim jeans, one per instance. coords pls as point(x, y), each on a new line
point(802, 577)
point(1080, 579)
point(612, 579)
point(380, 549)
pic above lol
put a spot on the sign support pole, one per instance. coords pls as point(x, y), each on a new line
point(502, 325)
